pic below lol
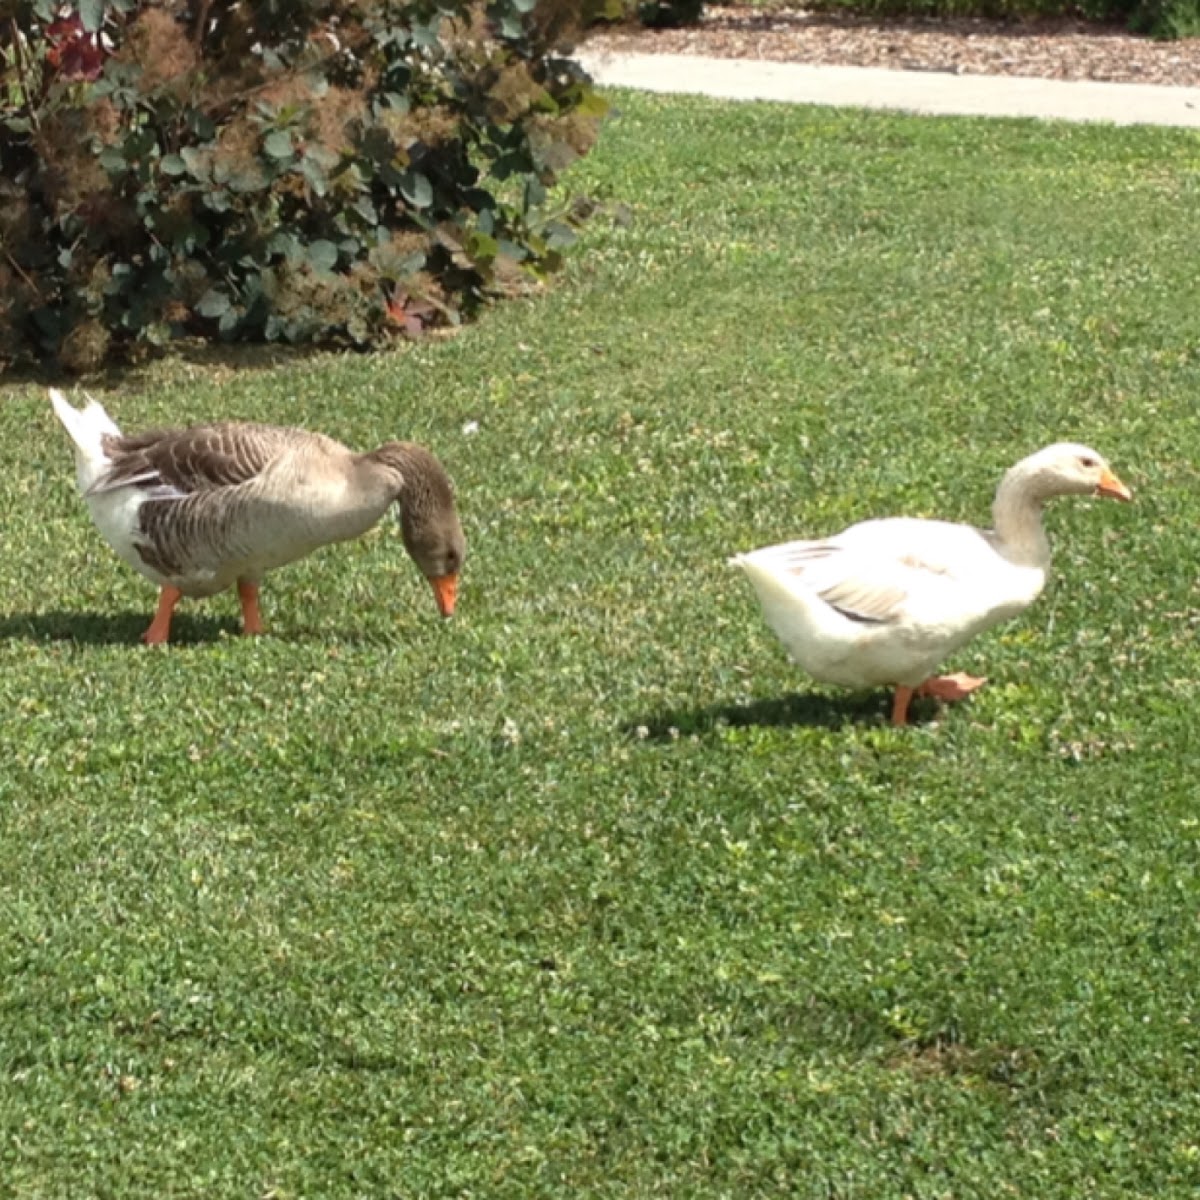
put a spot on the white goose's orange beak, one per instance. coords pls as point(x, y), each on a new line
point(445, 591)
point(1111, 486)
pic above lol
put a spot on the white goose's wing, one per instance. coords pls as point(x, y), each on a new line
point(888, 571)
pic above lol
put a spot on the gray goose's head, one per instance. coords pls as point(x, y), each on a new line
point(429, 523)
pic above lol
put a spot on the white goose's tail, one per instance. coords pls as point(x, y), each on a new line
point(775, 587)
point(803, 622)
point(87, 428)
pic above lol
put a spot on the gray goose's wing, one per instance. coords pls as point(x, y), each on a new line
point(200, 489)
point(170, 464)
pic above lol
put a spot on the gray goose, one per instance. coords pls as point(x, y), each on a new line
point(211, 507)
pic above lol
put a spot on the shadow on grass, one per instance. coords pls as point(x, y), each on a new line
point(219, 358)
point(800, 708)
point(106, 629)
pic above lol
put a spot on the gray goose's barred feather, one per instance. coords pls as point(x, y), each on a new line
point(201, 501)
point(184, 461)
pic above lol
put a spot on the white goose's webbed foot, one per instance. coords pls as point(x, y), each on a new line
point(941, 687)
point(951, 687)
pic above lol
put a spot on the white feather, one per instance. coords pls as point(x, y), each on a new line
point(87, 428)
point(114, 509)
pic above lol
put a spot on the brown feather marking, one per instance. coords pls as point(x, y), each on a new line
point(802, 556)
point(153, 521)
point(198, 462)
point(197, 458)
point(919, 564)
point(189, 531)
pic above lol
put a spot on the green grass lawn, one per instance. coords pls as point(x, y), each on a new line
point(588, 892)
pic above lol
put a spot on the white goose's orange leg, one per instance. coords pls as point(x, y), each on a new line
point(900, 705)
point(252, 622)
point(160, 627)
point(940, 687)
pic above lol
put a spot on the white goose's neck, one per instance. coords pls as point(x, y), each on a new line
point(1017, 516)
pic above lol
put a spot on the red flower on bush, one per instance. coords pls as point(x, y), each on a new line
point(411, 314)
point(74, 53)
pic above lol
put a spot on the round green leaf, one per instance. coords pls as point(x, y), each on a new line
point(315, 175)
point(278, 144)
point(323, 255)
point(213, 304)
point(416, 189)
point(196, 161)
point(91, 13)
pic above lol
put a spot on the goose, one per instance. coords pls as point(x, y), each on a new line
point(885, 601)
point(211, 507)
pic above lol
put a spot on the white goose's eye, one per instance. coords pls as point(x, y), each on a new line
point(1086, 460)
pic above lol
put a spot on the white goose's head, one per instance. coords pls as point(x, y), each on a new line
point(1068, 469)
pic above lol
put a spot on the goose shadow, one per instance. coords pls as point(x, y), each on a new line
point(106, 629)
point(796, 709)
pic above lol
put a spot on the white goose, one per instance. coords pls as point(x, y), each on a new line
point(885, 601)
point(211, 507)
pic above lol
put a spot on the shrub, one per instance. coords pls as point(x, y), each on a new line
point(304, 170)
point(654, 14)
point(668, 14)
point(1168, 19)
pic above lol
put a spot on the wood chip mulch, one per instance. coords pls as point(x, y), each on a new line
point(1048, 49)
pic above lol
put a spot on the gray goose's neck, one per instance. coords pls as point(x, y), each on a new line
point(412, 476)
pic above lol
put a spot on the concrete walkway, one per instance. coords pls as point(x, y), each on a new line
point(934, 92)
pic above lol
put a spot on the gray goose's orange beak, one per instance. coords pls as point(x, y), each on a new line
point(1111, 486)
point(445, 591)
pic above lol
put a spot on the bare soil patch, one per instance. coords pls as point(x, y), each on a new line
point(1047, 49)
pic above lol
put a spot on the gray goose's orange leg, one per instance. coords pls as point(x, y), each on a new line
point(252, 622)
point(160, 627)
